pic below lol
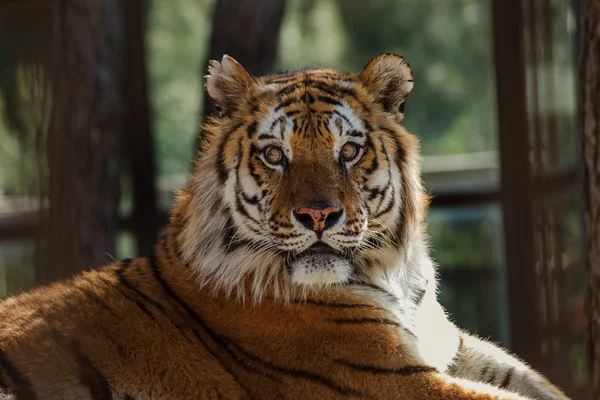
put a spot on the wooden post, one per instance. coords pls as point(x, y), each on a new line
point(139, 144)
point(83, 140)
point(516, 188)
point(589, 108)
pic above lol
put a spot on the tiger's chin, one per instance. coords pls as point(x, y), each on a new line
point(319, 266)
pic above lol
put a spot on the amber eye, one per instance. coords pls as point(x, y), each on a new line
point(349, 151)
point(274, 155)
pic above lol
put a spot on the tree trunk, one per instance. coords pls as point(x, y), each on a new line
point(247, 30)
point(83, 140)
point(589, 106)
point(138, 135)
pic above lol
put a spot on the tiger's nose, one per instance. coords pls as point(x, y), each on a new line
point(318, 215)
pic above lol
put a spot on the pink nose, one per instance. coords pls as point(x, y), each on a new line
point(318, 216)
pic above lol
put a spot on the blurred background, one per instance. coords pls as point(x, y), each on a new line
point(101, 103)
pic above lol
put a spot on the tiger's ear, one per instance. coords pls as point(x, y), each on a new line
point(227, 83)
point(390, 79)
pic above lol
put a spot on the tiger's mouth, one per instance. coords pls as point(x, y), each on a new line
point(320, 265)
point(317, 249)
point(322, 248)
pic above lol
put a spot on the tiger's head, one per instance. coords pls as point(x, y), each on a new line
point(305, 179)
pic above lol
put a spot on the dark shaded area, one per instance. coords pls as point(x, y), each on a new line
point(509, 45)
point(589, 108)
point(139, 144)
point(83, 140)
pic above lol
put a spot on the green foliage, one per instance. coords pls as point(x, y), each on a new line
point(21, 160)
point(466, 238)
point(312, 33)
point(178, 34)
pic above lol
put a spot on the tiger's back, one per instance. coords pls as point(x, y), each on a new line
point(110, 333)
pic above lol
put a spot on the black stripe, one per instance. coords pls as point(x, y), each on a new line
point(158, 306)
point(23, 389)
point(263, 136)
point(240, 358)
point(239, 207)
point(286, 235)
point(277, 121)
point(139, 304)
point(221, 168)
point(309, 98)
point(507, 378)
point(286, 103)
point(124, 282)
point(251, 130)
point(389, 206)
point(374, 242)
point(409, 332)
point(250, 164)
point(323, 87)
point(384, 193)
point(400, 151)
point(377, 288)
point(350, 91)
point(374, 369)
point(419, 296)
point(286, 90)
point(368, 320)
point(230, 242)
point(355, 133)
point(346, 391)
point(342, 116)
point(375, 163)
point(329, 100)
point(376, 192)
point(282, 80)
point(334, 305)
point(89, 375)
point(483, 373)
point(389, 175)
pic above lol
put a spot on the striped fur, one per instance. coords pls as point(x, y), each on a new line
point(235, 303)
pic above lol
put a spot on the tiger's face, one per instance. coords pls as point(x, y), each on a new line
point(318, 180)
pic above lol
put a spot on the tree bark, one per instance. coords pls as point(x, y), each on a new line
point(138, 135)
point(589, 106)
point(83, 140)
point(247, 30)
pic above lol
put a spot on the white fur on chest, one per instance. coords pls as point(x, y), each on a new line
point(436, 338)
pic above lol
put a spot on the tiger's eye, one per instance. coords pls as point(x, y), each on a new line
point(349, 152)
point(273, 154)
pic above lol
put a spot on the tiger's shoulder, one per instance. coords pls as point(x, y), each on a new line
point(95, 337)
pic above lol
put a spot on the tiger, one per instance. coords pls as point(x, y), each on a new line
point(295, 265)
